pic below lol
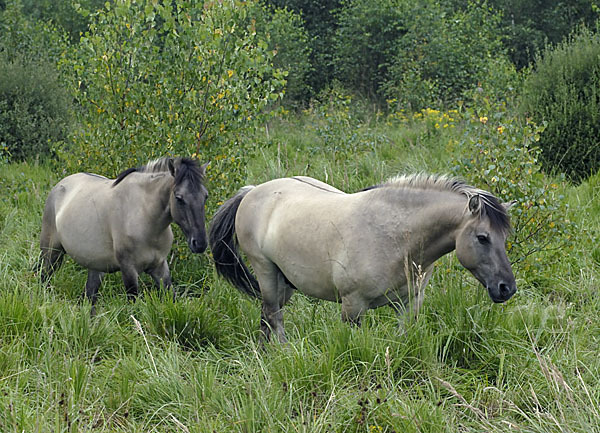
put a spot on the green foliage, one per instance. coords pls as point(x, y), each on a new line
point(564, 91)
point(499, 152)
point(320, 22)
point(29, 40)
point(33, 109)
point(529, 25)
point(341, 131)
point(67, 14)
point(290, 43)
point(34, 105)
point(366, 42)
point(444, 55)
point(157, 78)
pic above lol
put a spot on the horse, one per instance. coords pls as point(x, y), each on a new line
point(123, 224)
point(367, 249)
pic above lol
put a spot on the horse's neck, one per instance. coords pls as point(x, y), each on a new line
point(431, 223)
point(157, 191)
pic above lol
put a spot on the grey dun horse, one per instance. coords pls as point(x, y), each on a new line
point(367, 249)
point(123, 225)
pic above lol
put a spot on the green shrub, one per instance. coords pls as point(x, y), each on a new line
point(564, 91)
point(499, 152)
point(34, 109)
point(366, 40)
point(156, 78)
point(341, 128)
point(320, 22)
point(34, 105)
point(29, 40)
point(444, 55)
point(290, 43)
point(528, 25)
point(71, 16)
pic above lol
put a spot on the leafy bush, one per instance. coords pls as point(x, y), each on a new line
point(29, 40)
point(499, 152)
point(340, 130)
point(290, 43)
point(34, 105)
point(34, 111)
point(444, 55)
point(564, 91)
point(528, 25)
point(68, 15)
point(366, 40)
point(155, 78)
point(320, 22)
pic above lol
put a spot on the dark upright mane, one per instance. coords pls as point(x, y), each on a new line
point(491, 206)
point(123, 175)
point(188, 170)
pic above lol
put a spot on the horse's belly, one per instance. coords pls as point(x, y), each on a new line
point(320, 292)
point(310, 279)
point(89, 253)
point(84, 240)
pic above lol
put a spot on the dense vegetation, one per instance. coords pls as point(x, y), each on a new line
point(564, 93)
point(273, 89)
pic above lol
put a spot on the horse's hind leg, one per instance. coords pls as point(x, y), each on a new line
point(52, 250)
point(94, 279)
point(50, 261)
point(162, 276)
point(51, 258)
point(274, 296)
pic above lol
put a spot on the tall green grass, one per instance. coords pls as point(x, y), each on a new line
point(197, 365)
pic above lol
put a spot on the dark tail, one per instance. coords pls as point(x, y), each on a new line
point(224, 247)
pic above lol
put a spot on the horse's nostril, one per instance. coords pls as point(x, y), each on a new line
point(505, 290)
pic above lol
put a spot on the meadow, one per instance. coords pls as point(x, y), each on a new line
point(196, 364)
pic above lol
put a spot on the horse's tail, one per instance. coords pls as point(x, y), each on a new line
point(224, 247)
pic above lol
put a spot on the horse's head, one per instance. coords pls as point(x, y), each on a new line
point(187, 200)
point(480, 246)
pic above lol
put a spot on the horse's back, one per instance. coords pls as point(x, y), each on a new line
point(267, 205)
point(77, 197)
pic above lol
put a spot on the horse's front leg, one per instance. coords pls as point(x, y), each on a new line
point(415, 292)
point(94, 279)
point(130, 280)
point(353, 307)
point(162, 277)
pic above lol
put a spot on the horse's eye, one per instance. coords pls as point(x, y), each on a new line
point(483, 239)
point(179, 199)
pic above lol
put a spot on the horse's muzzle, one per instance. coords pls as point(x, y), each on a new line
point(198, 245)
point(503, 292)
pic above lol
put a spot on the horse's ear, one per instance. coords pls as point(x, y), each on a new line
point(475, 204)
point(203, 168)
point(507, 205)
point(171, 165)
